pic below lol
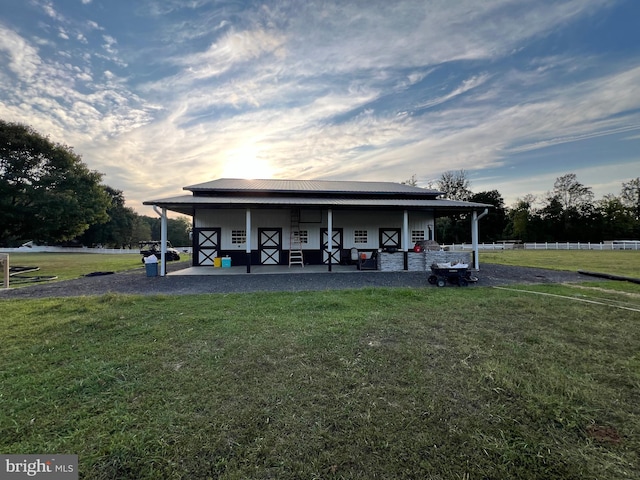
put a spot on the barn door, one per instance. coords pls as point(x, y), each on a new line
point(390, 238)
point(270, 245)
point(336, 233)
point(206, 245)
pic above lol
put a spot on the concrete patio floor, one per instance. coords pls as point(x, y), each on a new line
point(265, 270)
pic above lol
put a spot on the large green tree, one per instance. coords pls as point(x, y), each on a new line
point(570, 214)
point(630, 196)
point(47, 193)
point(616, 220)
point(118, 230)
point(520, 217)
point(491, 228)
point(454, 185)
point(177, 229)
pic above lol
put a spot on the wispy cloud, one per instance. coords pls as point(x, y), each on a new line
point(322, 89)
point(232, 49)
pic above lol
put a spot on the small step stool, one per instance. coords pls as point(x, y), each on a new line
point(296, 258)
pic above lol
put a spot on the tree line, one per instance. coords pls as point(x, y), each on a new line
point(48, 195)
point(567, 213)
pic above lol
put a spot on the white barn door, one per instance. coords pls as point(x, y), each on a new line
point(270, 245)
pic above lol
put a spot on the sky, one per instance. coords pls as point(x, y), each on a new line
point(161, 94)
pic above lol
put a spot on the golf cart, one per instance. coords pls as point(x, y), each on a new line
point(152, 247)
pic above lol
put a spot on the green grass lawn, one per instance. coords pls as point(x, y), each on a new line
point(618, 262)
point(66, 266)
point(376, 383)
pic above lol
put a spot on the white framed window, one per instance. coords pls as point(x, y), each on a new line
point(417, 235)
point(301, 237)
point(238, 237)
point(360, 236)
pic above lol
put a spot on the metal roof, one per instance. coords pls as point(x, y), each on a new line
point(186, 203)
point(309, 186)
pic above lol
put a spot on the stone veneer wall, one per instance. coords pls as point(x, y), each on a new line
point(444, 257)
point(391, 262)
point(419, 262)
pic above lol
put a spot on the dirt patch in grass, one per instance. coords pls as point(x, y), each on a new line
point(604, 434)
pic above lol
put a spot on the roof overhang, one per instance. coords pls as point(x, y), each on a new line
point(187, 204)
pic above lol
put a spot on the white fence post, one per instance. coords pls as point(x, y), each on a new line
point(4, 260)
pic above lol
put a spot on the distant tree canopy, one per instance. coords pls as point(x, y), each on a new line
point(455, 185)
point(46, 193)
point(567, 213)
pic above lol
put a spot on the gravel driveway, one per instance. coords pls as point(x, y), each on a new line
point(136, 282)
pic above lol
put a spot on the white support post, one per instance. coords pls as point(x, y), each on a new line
point(405, 231)
point(330, 236)
point(405, 239)
point(474, 240)
point(474, 237)
point(248, 238)
point(163, 243)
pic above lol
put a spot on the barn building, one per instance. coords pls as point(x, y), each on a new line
point(310, 222)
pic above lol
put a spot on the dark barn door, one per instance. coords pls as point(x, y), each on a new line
point(270, 245)
point(336, 233)
point(390, 238)
point(206, 245)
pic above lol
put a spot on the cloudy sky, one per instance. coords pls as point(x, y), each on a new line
point(159, 94)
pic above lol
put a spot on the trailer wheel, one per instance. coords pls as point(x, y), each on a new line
point(432, 279)
point(441, 282)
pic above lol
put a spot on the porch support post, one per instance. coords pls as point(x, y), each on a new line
point(248, 239)
point(474, 236)
point(405, 239)
point(330, 236)
point(4, 261)
point(163, 243)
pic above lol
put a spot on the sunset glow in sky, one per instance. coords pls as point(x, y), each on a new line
point(162, 94)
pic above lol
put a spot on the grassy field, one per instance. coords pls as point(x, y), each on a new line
point(376, 383)
point(620, 262)
point(66, 266)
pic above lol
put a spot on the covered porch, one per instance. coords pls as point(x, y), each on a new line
point(264, 270)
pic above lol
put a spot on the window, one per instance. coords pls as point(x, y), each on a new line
point(238, 237)
point(301, 237)
point(417, 235)
point(360, 236)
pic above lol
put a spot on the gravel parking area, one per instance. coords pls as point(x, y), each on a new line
point(136, 282)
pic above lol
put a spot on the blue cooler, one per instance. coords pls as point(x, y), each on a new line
point(226, 262)
point(152, 269)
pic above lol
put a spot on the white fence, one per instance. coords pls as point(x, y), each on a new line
point(40, 248)
point(616, 245)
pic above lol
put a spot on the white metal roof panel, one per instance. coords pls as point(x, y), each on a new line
point(237, 201)
point(308, 186)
